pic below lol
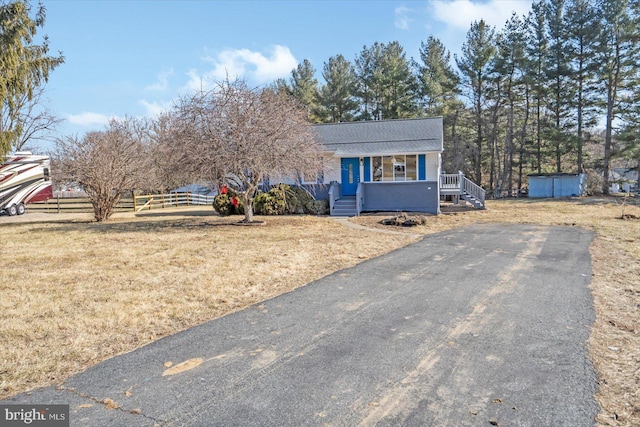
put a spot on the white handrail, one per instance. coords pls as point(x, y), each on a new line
point(475, 190)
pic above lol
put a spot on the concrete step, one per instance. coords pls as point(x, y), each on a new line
point(344, 206)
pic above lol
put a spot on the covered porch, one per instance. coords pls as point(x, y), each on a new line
point(414, 196)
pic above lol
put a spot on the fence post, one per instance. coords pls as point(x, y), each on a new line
point(58, 200)
point(134, 202)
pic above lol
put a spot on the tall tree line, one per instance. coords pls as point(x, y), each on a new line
point(522, 99)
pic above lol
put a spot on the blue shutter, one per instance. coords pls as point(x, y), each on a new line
point(367, 169)
point(422, 167)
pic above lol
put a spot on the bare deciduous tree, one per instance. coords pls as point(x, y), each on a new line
point(107, 164)
point(33, 120)
point(239, 136)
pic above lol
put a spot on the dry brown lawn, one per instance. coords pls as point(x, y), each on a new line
point(74, 292)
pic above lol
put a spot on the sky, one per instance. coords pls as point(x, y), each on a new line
point(136, 57)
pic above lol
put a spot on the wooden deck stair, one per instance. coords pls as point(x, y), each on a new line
point(459, 185)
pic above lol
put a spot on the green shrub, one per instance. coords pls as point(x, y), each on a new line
point(317, 207)
point(268, 204)
point(297, 200)
point(223, 205)
point(284, 199)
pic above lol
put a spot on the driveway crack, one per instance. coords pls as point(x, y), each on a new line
point(110, 404)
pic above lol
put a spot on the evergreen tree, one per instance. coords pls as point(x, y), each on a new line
point(616, 52)
point(385, 84)
point(24, 67)
point(474, 64)
point(399, 85)
point(580, 39)
point(510, 63)
point(367, 85)
point(557, 73)
point(438, 89)
point(437, 79)
point(304, 87)
point(537, 47)
point(337, 94)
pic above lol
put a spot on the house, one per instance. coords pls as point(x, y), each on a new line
point(557, 185)
point(386, 165)
point(624, 179)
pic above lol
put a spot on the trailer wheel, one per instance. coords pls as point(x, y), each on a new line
point(21, 209)
point(12, 210)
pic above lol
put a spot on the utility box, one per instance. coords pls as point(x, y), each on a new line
point(557, 185)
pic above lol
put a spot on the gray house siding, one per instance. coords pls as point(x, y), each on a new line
point(420, 196)
point(318, 191)
point(396, 163)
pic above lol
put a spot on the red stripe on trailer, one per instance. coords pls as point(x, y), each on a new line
point(43, 195)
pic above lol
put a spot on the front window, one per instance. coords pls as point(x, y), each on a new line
point(395, 168)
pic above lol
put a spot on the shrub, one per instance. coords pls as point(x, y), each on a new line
point(594, 184)
point(284, 199)
point(223, 204)
point(317, 207)
point(297, 200)
point(268, 204)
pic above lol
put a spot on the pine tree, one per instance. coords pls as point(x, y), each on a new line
point(510, 62)
point(477, 54)
point(399, 85)
point(304, 87)
point(437, 78)
point(385, 84)
point(557, 72)
point(24, 67)
point(616, 52)
point(537, 47)
point(367, 84)
point(438, 89)
point(337, 94)
point(580, 40)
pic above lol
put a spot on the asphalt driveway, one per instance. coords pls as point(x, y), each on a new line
point(485, 325)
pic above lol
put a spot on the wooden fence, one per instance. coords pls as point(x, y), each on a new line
point(62, 203)
point(160, 201)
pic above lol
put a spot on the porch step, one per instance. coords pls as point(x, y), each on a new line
point(344, 206)
point(475, 202)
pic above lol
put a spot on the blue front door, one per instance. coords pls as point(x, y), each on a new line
point(350, 167)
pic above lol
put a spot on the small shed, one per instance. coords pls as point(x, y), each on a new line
point(557, 184)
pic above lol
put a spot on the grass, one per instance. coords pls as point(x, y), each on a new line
point(74, 292)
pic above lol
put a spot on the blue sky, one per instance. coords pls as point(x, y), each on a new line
point(136, 57)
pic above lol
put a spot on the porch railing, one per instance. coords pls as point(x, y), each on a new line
point(334, 194)
point(473, 189)
point(458, 183)
point(450, 181)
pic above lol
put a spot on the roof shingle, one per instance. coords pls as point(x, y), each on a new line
point(382, 137)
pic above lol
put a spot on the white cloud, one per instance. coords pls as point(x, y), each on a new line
point(89, 119)
point(402, 17)
point(461, 13)
point(255, 67)
point(154, 109)
point(162, 82)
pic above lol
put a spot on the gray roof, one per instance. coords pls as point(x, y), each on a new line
point(383, 137)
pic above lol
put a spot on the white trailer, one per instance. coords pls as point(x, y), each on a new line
point(24, 178)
